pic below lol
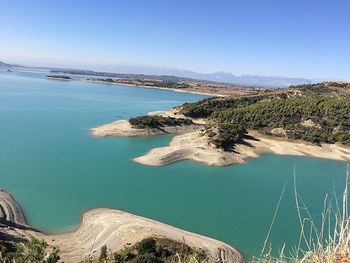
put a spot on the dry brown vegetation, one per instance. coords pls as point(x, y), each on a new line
point(329, 243)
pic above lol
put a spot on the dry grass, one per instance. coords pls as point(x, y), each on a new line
point(327, 244)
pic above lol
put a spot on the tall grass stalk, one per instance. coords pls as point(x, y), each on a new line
point(330, 243)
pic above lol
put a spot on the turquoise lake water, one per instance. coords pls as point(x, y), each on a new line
point(57, 170)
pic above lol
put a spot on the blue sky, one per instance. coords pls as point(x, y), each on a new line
point(297, 38)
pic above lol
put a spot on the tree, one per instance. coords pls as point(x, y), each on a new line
point(103, 255)
point(32, 252)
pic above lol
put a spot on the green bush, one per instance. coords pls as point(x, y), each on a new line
point(226, 135)
point(103, 254)
point(156, 121)
point(32, 252)
point(147, 245)
point(146, 258)
point(157, 250)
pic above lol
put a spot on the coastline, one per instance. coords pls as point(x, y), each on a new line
point(154, 87)
point(194, 146)
point(113, 228)
point(190, 143)
point(124, 128)
point(57, 78)
point(141, 86)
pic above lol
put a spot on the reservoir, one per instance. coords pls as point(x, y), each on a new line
point(56, 170)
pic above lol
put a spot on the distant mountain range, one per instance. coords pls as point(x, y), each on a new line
point(7, 66)
point(221, 76)
point(244, 80)
point(224, 77)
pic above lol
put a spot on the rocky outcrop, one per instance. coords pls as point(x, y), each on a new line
point(10, 211)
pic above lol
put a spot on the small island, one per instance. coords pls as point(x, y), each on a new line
point(58, 77)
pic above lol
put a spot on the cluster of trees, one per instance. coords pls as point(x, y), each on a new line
point(110, 80)
point(318, 88)
point(225, 135)
point(152, 250)
point(156, 121)
point(33, 251)
point(205, 108)
point(59, 77)
point(148, 82)
point(148, 250)
point(329, 115)
point(172, 84)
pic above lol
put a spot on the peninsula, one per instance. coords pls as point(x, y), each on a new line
point(305, 120)
point(179, 84)
point(116, 230)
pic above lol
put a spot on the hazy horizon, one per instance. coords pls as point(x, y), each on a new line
point(150, 70)
point(115, 68)
point(295, 40)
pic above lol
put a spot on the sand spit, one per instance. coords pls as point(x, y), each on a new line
point(175, 113)
point(188, 90)
point(124, 128)
point(194, 146)
point(110, 227)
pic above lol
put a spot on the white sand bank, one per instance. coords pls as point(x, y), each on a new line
point(194, 146)
point(110, 227)
point(124, 128)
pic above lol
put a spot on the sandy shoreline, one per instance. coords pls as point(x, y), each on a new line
point(154, 87)
point(111, 227)
point(194, 146)
point(142, 86)
point(124, 128)
point(190, 143)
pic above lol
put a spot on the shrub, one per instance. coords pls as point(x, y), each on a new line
point(32, 252)
point(147, 245)
point(144, 122)
point(157, 250)
point(103, 254)
point(146, 258)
